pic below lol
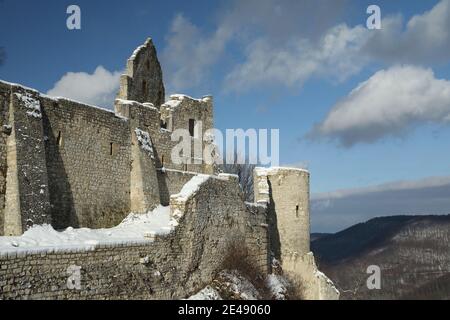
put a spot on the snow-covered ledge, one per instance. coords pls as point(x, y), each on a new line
point(134, 230)
point(190, 189)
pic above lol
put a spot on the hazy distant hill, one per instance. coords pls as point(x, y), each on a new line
point(413, 253)
point(315, 236)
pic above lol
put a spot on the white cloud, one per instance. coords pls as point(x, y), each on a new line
point(298, 59)
point(189, 53)
point(277, 43)
point(424, 39)
point(387, 104)
point(98, 88)
point(429, 182)
point(343, 51)
point(279, 52)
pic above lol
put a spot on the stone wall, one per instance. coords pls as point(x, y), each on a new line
point(177, 113)
point(171, 182)
point(147, 117)
point(5, 130)
point(88, 153)
point(143, 80)
point(302, 269)
point(71, 164)
point(258, 238)
point(68, 163)
point(27, 193)
point(89, 167)
point(287, 192)
point(170, 267)
point(222, 193)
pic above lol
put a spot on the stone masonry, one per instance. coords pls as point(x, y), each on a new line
point(69, 164)
point(286, 193)
point(90, 168)
point(167, 267)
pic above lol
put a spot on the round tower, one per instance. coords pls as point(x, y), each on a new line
point(287, 192)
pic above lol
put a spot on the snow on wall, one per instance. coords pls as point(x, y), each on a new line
point(207, 293)
point(33, 105)
point(26, 194)
point(175, 100)
point(135, 228)
point(140, 268)
point(276, 170)
point(190, 188)
point(145, 142)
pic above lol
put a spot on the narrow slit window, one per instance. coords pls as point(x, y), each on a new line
point(191, 127)
point(296, 211)
point(162, 161)
point(59, 139)
point(144, 87)
point(113, 148)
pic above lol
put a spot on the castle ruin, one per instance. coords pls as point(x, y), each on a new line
point(68, 164)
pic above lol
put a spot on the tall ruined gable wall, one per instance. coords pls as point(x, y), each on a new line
point(143, 79)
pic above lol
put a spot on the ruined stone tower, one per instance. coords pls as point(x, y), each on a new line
point(286, 193)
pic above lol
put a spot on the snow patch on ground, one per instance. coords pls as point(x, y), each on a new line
point(278, 286)
point(134, 228)
point(207, 293)
point(239, 285)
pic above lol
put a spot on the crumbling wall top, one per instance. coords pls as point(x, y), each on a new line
point(143, 80)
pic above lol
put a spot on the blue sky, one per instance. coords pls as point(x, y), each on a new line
point(290, 65)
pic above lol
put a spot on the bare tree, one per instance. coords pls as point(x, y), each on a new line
point(244, 172)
